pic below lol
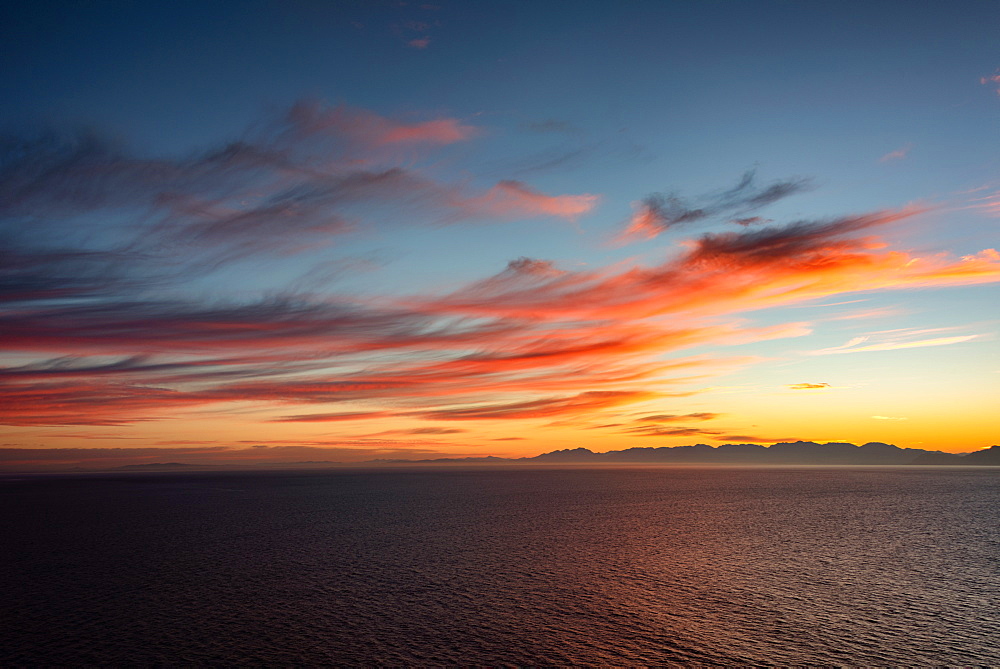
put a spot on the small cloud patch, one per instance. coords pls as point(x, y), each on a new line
point(992, 80)
point(808, 386)
point(898, 154)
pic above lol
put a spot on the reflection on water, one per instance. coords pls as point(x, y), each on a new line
point(565, 566)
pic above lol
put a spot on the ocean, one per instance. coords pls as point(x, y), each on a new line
point(503, 566)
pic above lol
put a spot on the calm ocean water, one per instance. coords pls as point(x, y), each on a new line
point(853, 566)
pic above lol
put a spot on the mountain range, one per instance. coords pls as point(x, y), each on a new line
point(785, 453)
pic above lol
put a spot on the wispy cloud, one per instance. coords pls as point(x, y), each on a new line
point(891, 341)
point(659, 212)
point(992, 80)
point(657, 431)
point(988, 204)
point(583, 403)
point(809, 386)
point(332, 417)
point(514, 199)
point(672, 418)
point(898, 154)
point(295, 183)
point(367, 129)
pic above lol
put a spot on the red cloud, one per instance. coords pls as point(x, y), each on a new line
point(87, 403)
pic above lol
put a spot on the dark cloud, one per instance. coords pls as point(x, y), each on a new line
point(240, 199)
point(178, 325)
point(35, 274)
point(752, 220)
point(798, 241)
point(659, 212)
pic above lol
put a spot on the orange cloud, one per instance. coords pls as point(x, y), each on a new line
point(583, 403)
point(670, 418)
point(332, 417)
point(645, 223)
point(808, 386)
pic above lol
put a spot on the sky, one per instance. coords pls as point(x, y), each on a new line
point(254, 232)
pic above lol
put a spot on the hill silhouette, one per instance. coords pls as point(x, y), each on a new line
point(798, 452)
point(782, 453)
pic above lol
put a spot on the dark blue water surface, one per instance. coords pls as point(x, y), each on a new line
point(631, 566)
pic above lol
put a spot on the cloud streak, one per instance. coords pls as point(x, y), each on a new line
point(658, 212)
point(892, 341)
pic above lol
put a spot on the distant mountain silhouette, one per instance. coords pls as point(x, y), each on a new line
point(987, 456)
point(799, 452)
point(784, 453)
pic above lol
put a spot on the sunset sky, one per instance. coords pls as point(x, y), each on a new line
point(303, 230)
